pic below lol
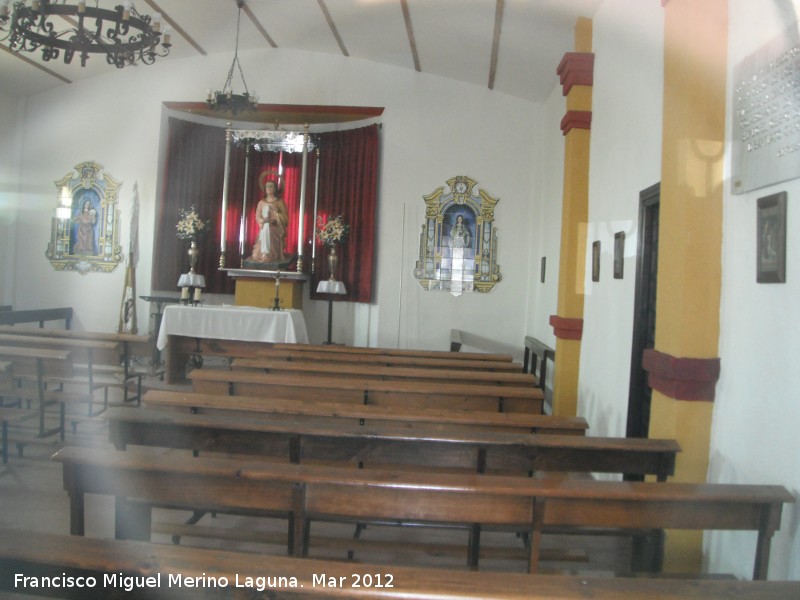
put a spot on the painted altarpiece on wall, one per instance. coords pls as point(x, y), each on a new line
point(85, 229)
point(458, 242)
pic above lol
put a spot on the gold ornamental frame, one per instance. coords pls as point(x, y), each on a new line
point(85, 229)
point(458, 242)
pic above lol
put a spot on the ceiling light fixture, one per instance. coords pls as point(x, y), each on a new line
point(122, 34)
point(226, 100)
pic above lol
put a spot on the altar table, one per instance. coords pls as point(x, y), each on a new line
point(231, 323)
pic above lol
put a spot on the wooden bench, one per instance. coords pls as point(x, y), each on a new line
point(115, 367)
point(315, 411)
point(408, 352)
point(14, 317)
point(538, 354)
point(371, 371)
point(453, 395)
point(100, 361)
point(306, 493)
point(180, 348)
point(7, 415)
point(54, 555)
point(34, 369)
point(379, 444)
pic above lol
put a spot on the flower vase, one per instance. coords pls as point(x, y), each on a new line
point(193, 253)
point(333, 259)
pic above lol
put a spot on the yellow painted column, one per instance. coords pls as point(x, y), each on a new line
point(576, 72)
point(684, 366)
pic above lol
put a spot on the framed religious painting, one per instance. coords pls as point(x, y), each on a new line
point(84, 235)
point(619, 254)
point(596, 261)
point(771, 239)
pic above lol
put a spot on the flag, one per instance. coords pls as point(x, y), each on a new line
point(127, 313)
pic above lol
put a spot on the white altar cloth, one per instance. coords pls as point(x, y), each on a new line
point(244, 323)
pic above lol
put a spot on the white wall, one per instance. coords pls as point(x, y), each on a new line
point(625, 159)
point(754, 434)
point(546, 221)
point(433, 129)
point(10, 132)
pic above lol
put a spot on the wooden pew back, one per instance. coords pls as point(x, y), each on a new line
point(363, 350)
point(458, 396)
point(87, 351)
point(316, 367)
point(13, 317)
point(318, 410)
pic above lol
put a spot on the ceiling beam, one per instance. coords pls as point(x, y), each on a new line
point(33, 63)
point(257, 23)
point(332, 25)
point(176, 28)
point(498, 27)
point(412, 42)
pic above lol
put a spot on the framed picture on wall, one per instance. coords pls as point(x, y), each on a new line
point(619, 254)
point(771, 239)
point(596, 261)
point(542, 269)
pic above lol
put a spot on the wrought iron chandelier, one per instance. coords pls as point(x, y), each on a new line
point(122, 34)
point(226, 100)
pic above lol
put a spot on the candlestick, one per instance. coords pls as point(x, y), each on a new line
point(198, 294)
point(184, 293)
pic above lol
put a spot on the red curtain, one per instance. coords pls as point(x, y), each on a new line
point(194, 175)
point(348, 186)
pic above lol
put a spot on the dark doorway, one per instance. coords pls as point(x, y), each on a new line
point(644, 311)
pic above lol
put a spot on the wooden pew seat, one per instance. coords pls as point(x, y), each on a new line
point(54, 555)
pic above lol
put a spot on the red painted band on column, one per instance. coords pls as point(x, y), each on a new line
point(566, 328)
point(682, 378)
point(576, 68)
point(576, 119)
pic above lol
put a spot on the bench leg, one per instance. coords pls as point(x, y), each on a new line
point(5, 442)
point(474, 550)
point(537, 523)
point(300, 529)
point(132, 520)
point(76, 513)
point(647, 553)
point(356, 535)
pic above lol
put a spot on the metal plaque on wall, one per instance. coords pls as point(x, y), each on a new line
point(766, 115)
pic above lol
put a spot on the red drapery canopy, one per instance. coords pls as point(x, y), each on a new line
point(194, 173)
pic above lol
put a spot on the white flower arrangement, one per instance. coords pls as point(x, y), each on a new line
point(332, 231)
point(190, 225)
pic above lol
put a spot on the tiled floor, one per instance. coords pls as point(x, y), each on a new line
point(32, 498)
